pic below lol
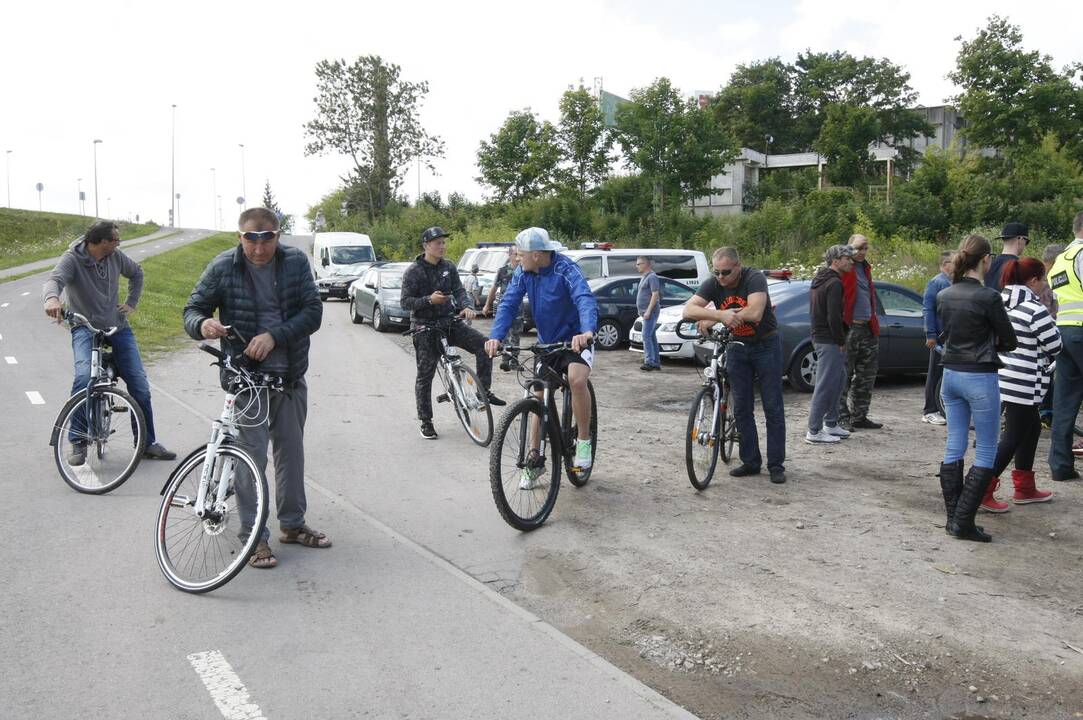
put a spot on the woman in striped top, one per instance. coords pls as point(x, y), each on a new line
point(1024, 381)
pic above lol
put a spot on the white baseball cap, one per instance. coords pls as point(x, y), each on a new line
point(536, 239)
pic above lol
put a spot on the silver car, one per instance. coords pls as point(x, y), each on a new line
point(375, 296)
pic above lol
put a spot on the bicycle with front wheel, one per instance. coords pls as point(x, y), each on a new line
point(533, 441)
point(462, 388)
point(99, 436)
point(215, 503)
point(712, 429)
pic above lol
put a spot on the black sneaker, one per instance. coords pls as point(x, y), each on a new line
point(505, 365)
point(743, 470)
point(778, 476)
point(867, 424)
point(155, 451)
point(494, 400)
point(428, 431)
point(645, 367)
point(78, 455)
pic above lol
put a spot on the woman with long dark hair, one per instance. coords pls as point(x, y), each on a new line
point(975, 328)
point(1024, 381)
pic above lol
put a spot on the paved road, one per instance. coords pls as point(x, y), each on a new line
point(399, 619)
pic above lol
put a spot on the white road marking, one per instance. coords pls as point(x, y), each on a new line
point(35, 397)
point(157, 246)
point(26, 293)
point(10, 360)
point(4, 305)
point(226, 689)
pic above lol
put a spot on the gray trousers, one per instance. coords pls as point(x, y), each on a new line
point(830, 381)
point(284, 427)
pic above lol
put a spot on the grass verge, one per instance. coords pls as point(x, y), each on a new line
point(168, 279)
point(26, 235)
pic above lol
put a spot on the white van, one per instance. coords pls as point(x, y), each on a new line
point(603, 260)
point(333, 251)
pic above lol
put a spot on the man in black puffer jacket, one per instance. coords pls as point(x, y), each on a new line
point(266, 292)
point(826, 309)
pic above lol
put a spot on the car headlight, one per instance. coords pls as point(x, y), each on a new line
point(668, 327)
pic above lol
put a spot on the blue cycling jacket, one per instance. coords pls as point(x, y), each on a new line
point(560, 300)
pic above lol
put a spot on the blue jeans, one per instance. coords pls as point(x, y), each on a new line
point(650, 342)
point(971, 393)
point(1067, 396)
point(127, 362)
point(747, 364)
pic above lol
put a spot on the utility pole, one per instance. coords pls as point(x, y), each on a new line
point(214, 199)
point(96, 215)
point(244, 192)
point(173, 166)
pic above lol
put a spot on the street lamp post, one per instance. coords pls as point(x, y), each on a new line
point(109, 206)
point(244, 193)
point(7, 153)
point(96, 216)
point(214, 199)
point(173, 164)
point(79, 194)
point(177, 196)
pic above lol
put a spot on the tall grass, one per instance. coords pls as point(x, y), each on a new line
point(26, 236)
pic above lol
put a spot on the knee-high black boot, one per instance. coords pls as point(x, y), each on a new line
point(951, 484)
point(962, 523)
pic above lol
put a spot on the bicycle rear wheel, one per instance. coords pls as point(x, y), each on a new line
point(701, 439)
point(196, 554)
point(727, 430)
point(476, 417)
point(106, 430)
point(524, 484)
point(578, 477)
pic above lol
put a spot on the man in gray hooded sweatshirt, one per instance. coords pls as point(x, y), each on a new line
point(829, 341)
point(90, 271)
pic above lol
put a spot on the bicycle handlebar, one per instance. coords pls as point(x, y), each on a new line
point(718, 331)
point(274, 382)
point(74, 319)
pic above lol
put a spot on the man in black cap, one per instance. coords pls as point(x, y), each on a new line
point(434, 295)
point(1015, 237)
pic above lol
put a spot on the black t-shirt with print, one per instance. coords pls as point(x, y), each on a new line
point(752, 281)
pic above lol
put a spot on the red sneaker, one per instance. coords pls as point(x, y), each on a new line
point(1025, 492)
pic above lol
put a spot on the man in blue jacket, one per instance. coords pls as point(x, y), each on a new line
point(564, 310)
point(931, 413)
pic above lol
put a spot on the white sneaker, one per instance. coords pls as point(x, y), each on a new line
point(820, 437)
point(934, 418)
point(836, 430)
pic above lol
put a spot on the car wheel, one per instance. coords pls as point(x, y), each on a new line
point(354, 315)
point(378, 319)
point(803, 370)
point(608, 335)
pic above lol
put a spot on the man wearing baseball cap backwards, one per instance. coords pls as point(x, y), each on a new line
point(564, 310)
point(1015, 238)
point(432, 292)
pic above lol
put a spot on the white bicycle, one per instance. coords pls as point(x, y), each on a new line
point(215, 503)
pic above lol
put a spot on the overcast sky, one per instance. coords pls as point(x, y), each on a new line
point(242, 72)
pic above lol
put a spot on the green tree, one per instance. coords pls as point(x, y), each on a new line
point(844, 142)
point(823, 80)
point(1011, 98)
point(583, 140)
point(365, 111)
point(285, 222)
point(519, 160)
point(677, 145)
point(759, 102)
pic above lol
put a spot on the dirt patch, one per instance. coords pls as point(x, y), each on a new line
point(836, 595)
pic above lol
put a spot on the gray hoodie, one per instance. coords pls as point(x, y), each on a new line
point(92, 286)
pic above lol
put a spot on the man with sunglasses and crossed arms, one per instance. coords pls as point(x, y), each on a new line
point(266, 292)
point(742, 304)
point(90, 271)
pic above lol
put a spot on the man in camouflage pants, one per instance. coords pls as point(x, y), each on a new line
point(862, 342)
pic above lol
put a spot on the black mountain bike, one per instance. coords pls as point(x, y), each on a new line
point(711, 425)
point(99, 436)
point(533, 441)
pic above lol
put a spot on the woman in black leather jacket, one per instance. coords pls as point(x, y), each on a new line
point(975, 329)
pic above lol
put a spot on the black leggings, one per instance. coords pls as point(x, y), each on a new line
point(1022, 426)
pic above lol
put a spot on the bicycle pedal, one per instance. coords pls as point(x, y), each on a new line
point(442, 398)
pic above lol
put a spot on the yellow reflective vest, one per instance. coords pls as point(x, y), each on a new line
point(1066, 284)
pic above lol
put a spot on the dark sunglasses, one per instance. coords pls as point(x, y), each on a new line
point(260, 235)
point(722, 273)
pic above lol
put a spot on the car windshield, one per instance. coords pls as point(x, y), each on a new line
point(493, 261)
point(351, 254)
point(355, 270)
point(391, 281)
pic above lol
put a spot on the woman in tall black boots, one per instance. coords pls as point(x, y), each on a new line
point(975, 329)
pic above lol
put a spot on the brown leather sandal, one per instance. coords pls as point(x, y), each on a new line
point(262, 557)
point(306, 536)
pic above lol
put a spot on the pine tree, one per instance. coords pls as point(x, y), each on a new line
point(285, 222)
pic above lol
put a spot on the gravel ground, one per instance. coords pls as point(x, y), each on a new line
point(836, 595)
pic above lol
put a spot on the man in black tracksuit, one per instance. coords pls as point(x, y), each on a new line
point(435, 297)
point(829, 340)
